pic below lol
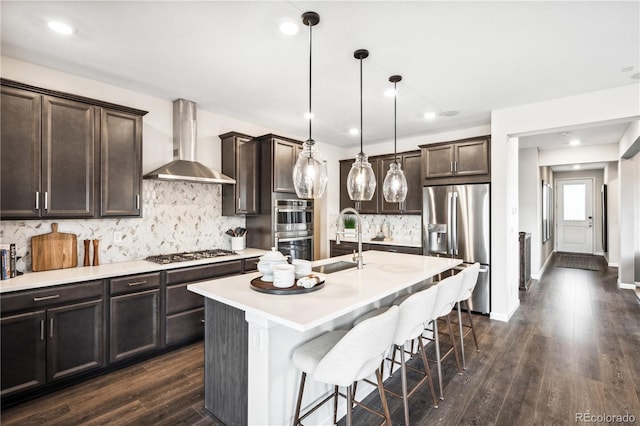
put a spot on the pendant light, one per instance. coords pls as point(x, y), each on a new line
point(310, 171)
point(394, 187)
point(361, 182)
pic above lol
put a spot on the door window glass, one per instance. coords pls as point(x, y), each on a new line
point(574, 200)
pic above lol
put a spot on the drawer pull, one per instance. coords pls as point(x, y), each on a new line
point(392, 250)
point(51, 327)
point(136, 283)
point(202, 320)
point(39, 299)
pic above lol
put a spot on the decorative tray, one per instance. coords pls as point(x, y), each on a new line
point(267, 287)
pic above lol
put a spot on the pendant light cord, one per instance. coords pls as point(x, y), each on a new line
point(361, 150)
point(310, 47)
point(395, 122)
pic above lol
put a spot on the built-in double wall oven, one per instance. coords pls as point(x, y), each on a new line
point(293, 225)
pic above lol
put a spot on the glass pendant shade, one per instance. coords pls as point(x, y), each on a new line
point(361, 182)
point(310, 172)
point(394, 187)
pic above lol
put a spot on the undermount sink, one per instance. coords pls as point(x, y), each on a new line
point(330, 268)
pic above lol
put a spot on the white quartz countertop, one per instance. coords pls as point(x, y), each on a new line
point(391, 242)
point(383, 274)
point(34, 280)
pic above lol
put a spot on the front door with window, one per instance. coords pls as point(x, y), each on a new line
point(575, 215)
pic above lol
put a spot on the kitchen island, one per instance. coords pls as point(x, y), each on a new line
point(249, 336)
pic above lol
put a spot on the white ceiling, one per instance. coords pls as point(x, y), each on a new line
point(230, 57)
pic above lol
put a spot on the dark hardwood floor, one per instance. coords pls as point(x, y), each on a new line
point(573, 346)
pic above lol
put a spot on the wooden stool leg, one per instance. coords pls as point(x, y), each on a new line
point(383, 399)
point(423, 353)
point(453, 342)
point(296, 418)
point(464, 361)
point(473, 329)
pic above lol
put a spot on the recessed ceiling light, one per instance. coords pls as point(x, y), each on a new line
point(627, 69)
point(354, 131)
point(309, 115)
point(60, 27)
point(430, 115)
point(390, 92)
point(449, 113)
point(636, 76)
point(576, 166)
point(289, 28)
point(574, 142)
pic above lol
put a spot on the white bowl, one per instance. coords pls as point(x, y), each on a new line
point(284, 275)
point(303, 267)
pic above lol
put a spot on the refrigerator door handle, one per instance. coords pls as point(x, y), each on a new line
point(454, 223)
point(449, 225)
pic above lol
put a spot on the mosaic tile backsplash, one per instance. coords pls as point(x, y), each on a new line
point(177, 216)
point(401, 227)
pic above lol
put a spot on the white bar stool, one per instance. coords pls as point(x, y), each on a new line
point(341, 358)
point(415, 310)
point(448, 292)
point(469, 280)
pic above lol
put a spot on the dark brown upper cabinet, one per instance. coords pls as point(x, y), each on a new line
point(240, 161)
point(67, 156)
point(279, 155)
point(463, 161)
point(411, 163)
point(21, 133)
point(121, 163)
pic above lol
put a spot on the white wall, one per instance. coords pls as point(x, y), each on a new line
point(529, 188)
point(579, 155)
point(613, 202)
point(594, 107)
point(629, 183)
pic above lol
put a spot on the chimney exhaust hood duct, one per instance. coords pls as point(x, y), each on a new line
point(184, 167)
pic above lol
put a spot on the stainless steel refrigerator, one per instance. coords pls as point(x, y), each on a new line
point(455, 223)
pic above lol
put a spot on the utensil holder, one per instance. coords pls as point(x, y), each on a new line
point(238, 243)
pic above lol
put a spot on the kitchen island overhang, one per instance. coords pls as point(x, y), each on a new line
point(249, 336)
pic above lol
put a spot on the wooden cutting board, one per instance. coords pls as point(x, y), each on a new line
point(55, 250)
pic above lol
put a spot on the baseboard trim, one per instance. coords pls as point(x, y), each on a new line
point(598, 253)
point(613, 265)
point(538, 275)
point(504, 317)
point(626, 286)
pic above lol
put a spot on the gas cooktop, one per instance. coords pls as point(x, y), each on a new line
point(189, 255)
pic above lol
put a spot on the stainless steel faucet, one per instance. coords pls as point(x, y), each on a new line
point(353, 211)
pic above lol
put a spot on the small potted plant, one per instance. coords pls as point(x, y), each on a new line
point(349, 225)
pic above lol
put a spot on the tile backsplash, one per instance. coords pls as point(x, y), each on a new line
point(401, 227)
point(177, 216)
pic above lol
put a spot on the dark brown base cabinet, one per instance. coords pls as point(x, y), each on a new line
point(63, 334)
point(349, 247)
point(134, 315)
point(48, 338)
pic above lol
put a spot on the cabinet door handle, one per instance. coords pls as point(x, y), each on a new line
point(455, 166)
point(137, 202)
point(451, 166)
point(50, 327)
point(202, 320)
point(53, 296)
point(135, 283)
point(37, 200)
point(238, 203)
point(41, 329)
point(46, 200)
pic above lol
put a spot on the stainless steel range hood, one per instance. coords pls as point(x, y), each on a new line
point(184, 167)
